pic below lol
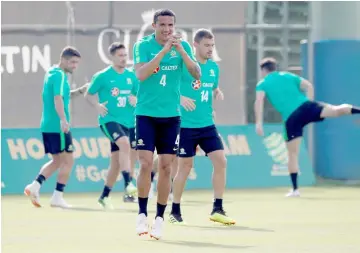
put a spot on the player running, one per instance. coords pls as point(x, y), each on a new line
point(55, 128)
point(116, 88)
point(286, 91)
point(198, 128)
point(159, 60)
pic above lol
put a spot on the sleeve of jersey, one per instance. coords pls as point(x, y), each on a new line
point(298, 80)
point(188, 49)
point(140, 52)
point(95, 84)
point(260, 86)
point(217, 73)
point(57, 80)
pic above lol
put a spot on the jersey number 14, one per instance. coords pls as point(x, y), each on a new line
point(204, 96)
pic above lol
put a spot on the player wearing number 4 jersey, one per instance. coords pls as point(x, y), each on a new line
point(55, 127)
point(286, 91)
point(159, 61)
point(197, 128)
point(116, 88)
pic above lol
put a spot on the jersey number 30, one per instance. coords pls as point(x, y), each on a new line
point(121, 102)
point(163, 80)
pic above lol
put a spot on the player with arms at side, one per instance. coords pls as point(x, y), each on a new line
point(198, 128)
point(115, 87)
point(159, 60)
point(55, 127)
point(285, 91)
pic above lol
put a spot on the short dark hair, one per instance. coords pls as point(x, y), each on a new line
point(69, 52)
point(163, 12)
point(268, 64)
point(115, 46)
point(203, 33)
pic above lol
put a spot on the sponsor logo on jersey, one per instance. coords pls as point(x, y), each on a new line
point(170, 67)
point(173, 54)
point(207, 85)
point(115, 92)
point(156, 70)
point(196, 84)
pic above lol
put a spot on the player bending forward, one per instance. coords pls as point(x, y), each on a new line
point(285, 91)
point(116, 88)
point(55, 128)
point(198, 128)
point(159, 60)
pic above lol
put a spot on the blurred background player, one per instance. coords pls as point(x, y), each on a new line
point(198, 128)
point(55, 127)
point(285, 91)
point(116, 88)
point(159, 59)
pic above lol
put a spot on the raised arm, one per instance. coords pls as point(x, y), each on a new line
point(144, 67)
point(187, 55)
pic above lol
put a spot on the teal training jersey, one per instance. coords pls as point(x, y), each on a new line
point(202, 92)
point(55, 84)
point(159, 94)
point(283, 91)
point(114, 88)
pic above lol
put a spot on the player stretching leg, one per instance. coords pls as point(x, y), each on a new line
point(159, 59)
point(55, 128)
point(285, 91)
point(115, 86)
point(198, 128)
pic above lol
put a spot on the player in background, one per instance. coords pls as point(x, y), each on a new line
point(159, 60)
point(293, 97)
point(55, 127)
point(115, 87)
point(198, 128)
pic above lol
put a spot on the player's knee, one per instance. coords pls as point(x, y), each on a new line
point(165, 171)
point(68, 161)
point(146, 164)
point(57, 162)
point(123, 144)
point(186, 166)
point(343, 109)
point(220, 162)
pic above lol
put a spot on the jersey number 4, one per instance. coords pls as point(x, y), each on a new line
point(121, 102)
point(163, 80)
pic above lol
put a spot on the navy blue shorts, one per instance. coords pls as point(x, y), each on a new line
point(132, 139)
point(114, 131)
point(159, 133)
point(56, 143)
point(307, 113)
point(207, 138)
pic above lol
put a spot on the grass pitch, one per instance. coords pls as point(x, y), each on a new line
point(323, 220)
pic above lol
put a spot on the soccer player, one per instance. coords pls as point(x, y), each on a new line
point(159, 60)
point(115, 87)
point(198, 128)
point(55, 127)
point(292, 96)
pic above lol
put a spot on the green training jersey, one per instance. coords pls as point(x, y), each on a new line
point(55, 84)
point(202, 92)
point(283, 91)
point(159, 94)
point(115, 88)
